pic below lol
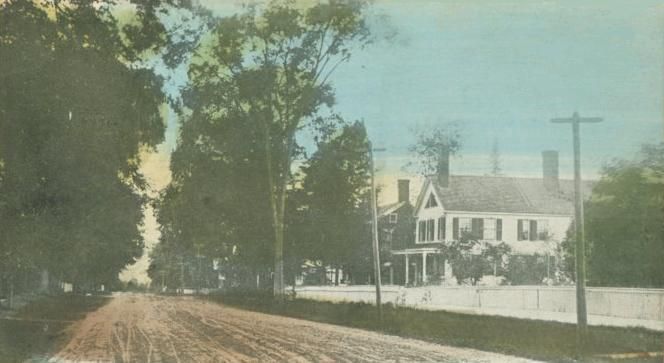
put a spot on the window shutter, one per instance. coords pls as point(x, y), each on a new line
point(455, 228)
point(480, 224)
point(441, 228)
point(430, 229)
point(499, 229)
point(533, 230)
point(421, 230)
point(476, 227)
point(519, 230)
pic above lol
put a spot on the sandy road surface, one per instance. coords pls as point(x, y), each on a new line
point(148, 328)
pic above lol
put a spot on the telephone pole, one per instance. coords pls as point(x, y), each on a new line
point(374, 233)
point(580, 249)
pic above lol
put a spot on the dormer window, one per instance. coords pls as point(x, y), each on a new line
point(431, 202)
point(394, 218)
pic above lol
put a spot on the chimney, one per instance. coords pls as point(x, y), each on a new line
point(404, 190)
point(443, 168)
point(550, 170)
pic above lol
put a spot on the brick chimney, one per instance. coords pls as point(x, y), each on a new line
point(443, 168)
point(404, 190)
point(550, 170)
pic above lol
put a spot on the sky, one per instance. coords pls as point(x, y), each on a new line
point(501, 70)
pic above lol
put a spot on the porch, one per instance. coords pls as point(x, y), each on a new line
point(421, 266)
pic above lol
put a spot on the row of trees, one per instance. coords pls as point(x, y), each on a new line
point(77, 109)
point(218, 209)
point(260, 78)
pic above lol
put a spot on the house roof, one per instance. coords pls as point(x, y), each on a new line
point(504, 195)
point(389, 208)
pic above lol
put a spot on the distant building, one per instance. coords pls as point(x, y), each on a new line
point(530, 215)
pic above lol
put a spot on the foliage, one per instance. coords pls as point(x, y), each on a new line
point(266, 71)
point(625, 223)
point(433, 143)
point(471, 258)
point(75, 116)
point(336, 192)
point(530, 269)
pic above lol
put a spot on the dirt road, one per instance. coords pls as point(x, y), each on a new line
point(148, 328)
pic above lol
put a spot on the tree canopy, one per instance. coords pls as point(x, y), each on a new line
point(77, 109)
point(625, 222)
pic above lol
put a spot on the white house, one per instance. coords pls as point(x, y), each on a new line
point(531, 215)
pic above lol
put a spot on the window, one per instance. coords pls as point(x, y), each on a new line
point(388, 236)
point(531, 230)
point(461, 226)
point(543, 229)
point(431, 202)
point(394, 217)
point(489, 232)
point(441, 228)
point(421, 231)
point(465, 225)
point(426, 230)
point(430, 229)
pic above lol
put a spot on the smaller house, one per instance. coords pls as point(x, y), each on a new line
point(530, 215)
point(395, 229)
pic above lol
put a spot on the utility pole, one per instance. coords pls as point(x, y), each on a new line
point(374, 233)
point(580, 249)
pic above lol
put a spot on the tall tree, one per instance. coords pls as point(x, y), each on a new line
point(269, 67)
point(337, 193)
point(76, 111)
point(495, 161)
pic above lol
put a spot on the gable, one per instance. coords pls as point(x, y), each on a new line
point(428, 200)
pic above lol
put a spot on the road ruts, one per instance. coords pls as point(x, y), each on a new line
point(150, 328)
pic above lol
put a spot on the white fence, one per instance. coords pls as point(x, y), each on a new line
point(627, 303)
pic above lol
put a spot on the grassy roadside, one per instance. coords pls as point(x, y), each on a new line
point(549, 341)
point(39, 327)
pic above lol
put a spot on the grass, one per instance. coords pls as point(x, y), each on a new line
point(542, 340)
point(40, 326)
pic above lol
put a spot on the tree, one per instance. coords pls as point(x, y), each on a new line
point(76, 111)
point(625, 222)
point(435, 145)
point(269, 68)
point(337, 193)
point(495, 159)
point(471, 258)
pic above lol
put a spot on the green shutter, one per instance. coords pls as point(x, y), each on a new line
point(519, 230)
point(499, 229)
point(455, 228)
point(533, 230)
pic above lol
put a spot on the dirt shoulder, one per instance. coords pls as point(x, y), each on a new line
point(39, 328)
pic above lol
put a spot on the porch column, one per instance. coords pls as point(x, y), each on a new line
point(424, 267)
point(406, 268)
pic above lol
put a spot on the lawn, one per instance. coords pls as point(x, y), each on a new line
point(548, 341)
point(38, 328)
